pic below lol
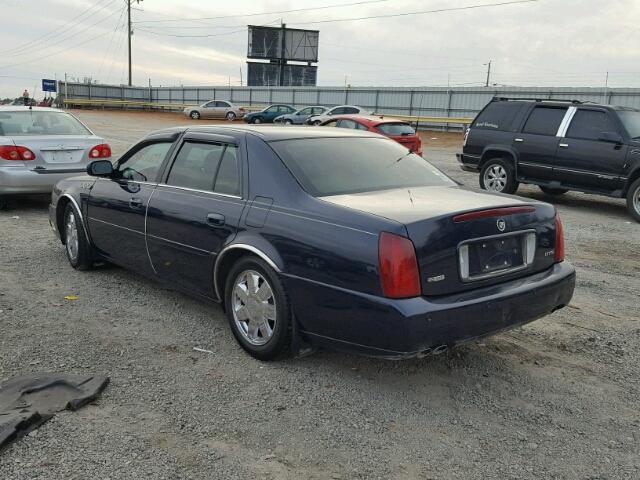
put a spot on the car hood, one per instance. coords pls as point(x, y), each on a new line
point(409, 205)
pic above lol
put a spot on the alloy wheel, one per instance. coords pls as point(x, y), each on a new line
point(71, 236)
point(254, 307)
point(636, 200)
point(495, 178)
point(231, 116)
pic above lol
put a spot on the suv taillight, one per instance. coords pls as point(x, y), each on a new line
point(559, 257)
point(100, 151)
point(398, 267)
point(9, 152)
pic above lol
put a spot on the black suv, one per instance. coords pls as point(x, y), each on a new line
point(558, 145)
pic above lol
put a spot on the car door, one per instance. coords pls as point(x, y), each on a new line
point(208, 110)
point(195, 211)
point(116, 206)
point(221, 109)
point(537, 142)
point(302, 115)
point(584, 159)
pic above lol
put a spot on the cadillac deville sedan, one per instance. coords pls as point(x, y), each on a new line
point(318, 237)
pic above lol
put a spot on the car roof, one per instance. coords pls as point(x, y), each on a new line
point(565, 103)
point(21, 108)
point(270, 133)
point(370, 120)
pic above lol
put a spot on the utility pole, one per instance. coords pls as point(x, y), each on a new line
point(130, 32)
point(488, 73)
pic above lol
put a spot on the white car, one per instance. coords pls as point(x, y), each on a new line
point(339, 110)
point(40, 146)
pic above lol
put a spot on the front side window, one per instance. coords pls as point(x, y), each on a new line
point(544, 121)
point(209, 105)
point(589, 125)
point(272, 109)
point(305, 111)
point(144, 165)
point(331, 123)
point(319, 111)
point(351, 110)
point(339, 166)
point(631, 121)
point(36, 122)
point(336, 111)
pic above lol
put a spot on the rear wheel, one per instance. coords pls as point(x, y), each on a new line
point(498, 175)
point(258, 309)
point(633, 200)
point(79, 252)
point(231, 116)
point(195, 115)
point(554, 191)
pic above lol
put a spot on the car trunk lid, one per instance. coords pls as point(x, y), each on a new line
point(59, 152)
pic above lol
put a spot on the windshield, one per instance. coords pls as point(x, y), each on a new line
point(338, 166)
point(34, 122)
point(396, 129)
point(631, 121)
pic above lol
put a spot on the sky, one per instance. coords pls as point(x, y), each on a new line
point(535, 43)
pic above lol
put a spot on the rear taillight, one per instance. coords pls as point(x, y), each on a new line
point(9, 152)
point(398, 267)
point(559, 257)
point(100, 151)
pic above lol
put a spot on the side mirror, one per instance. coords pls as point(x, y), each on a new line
point(100, 168)
point(611, 137)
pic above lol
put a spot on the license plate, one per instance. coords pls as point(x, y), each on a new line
point(494, 256)
point(63, 156)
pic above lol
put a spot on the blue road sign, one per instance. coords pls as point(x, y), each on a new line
point(49, 85)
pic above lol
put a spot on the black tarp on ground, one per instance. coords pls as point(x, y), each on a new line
point(27, 402)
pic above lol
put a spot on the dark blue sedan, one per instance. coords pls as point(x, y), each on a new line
point(318, 237)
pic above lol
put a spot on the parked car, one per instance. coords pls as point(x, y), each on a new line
point(39, 146)
point(324, 237)
point(339, 110)
point(299, 117)
point(215, 109)
point(557, 145)
point(268, 114)
point(397, 130)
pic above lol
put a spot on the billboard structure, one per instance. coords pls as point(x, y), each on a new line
point(281, 45)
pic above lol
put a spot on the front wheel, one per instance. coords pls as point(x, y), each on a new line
point(257, 120)
point(195, 115)
point(554, 191)
point(316, 123)
point(79, 252)
point(288, 122)
point(633, 200)
point(499, 176)
point(231, 116)
point(258, 309)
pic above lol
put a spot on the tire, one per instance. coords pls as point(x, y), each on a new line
point(554, 191)
point(633, 200)
point(231, 116)
point(256, 120)
point(288, 121)
point(79, 252)
point(498, 175)
point(316, 123)
point(270, 339)
point(195, 115)
point(4, 203)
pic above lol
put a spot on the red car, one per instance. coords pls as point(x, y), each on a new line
point(400, 131)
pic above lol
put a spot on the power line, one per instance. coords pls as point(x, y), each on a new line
point(265, 13)
point(424, 12)
point(243, 29)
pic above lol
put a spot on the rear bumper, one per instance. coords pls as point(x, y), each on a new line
point(19, 180)
point(397, 329)
point(468, 163)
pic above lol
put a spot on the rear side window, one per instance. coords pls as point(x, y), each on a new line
point(228, 177)
point(396, 129)
point(345, 123)
point(544, 121)
point(498, 116)
point(589, 125)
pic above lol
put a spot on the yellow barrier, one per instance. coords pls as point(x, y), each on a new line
point(250, 108)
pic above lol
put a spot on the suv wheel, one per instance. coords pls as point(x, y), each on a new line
point(554, 191)
point(231, 116)
point(79, 252)
point(195, 115)
point(258, 309)
point(497, 175)
point(633, 200)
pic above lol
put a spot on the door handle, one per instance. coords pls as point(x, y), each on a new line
point(215, 219)
point(564, 145)
point(518, 139)
point(135, 202)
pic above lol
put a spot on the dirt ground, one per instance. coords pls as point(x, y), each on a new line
point(556, 399)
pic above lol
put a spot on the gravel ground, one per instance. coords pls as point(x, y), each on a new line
point(558, 398)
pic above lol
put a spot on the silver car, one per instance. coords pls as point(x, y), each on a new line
point(301, 116)
point(215, 109)
point(339, 110)
point(39, 146)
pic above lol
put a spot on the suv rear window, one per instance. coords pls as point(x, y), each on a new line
point(339, 166)
point(498, 116)
point(544, 121)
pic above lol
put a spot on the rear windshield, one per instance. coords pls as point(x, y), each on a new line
point(498, 116)
point(631, 122)
point(35, 122)
point(338, 166)
point(396, 129)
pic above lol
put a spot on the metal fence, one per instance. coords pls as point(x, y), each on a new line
point(417, 101)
